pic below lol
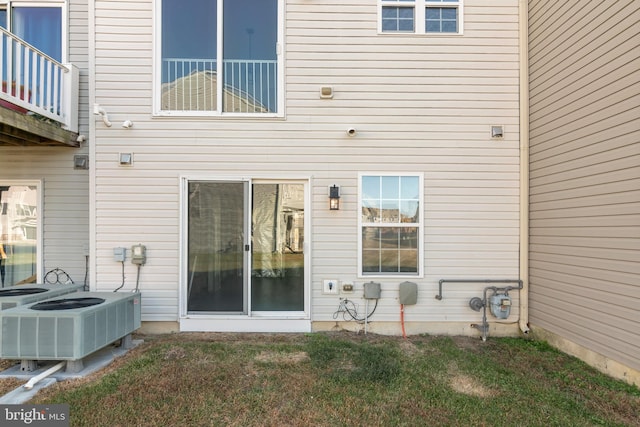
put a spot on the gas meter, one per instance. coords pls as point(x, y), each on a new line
point(500, 305)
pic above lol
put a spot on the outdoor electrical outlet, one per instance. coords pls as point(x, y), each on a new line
point(347, 288)
point(330, 286)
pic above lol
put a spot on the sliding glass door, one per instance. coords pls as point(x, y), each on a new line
point(245, 247)
point(277, 274)
point(216, 234)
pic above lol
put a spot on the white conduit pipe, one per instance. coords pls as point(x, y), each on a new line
point(523, 44)
point(29, 385)
point(101, 111)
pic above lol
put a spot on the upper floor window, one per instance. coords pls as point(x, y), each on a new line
point(24, 74)
point(420, 16)
point(39, 24)
point(219, 56)
point(391, 224)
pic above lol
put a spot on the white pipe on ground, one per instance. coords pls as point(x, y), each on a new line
point(33, 381)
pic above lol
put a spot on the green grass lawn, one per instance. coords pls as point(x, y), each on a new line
point(345, 379)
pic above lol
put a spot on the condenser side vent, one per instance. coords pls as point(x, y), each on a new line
point(68, 334)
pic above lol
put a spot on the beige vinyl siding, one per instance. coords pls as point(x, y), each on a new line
point(585, 174)
point(65, 196)
point(65, 190)
point(419, 104)
point(79, 56)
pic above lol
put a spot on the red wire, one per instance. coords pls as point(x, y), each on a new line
point(404, 334)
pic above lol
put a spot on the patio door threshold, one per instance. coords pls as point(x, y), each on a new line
point(243, 324)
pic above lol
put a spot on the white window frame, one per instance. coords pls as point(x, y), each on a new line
point(9, 4)
point(420, 273)
point(157, 70)
point(420, 7)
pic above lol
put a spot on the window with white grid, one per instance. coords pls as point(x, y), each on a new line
point(391, 225)
point(420, 16)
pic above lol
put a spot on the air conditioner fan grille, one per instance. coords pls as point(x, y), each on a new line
point(67, 303)
point(19, 292)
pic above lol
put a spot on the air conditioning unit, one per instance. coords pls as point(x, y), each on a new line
point(68, 328)
point(13, 296)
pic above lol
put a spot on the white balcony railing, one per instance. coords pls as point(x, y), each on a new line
point(248, 86)
point(34, 82)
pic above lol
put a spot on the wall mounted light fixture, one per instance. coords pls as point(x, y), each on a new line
point(334, 198)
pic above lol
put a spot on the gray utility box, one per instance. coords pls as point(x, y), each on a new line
point(372, 290)
point(408, 293)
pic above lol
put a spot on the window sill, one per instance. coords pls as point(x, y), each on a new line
point(413, 34)
point(216, 115)
point(390, 277)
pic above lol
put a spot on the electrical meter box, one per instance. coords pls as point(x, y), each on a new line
point(372, 290)
point(138, 254)
point(500, 305)
point(408, 293)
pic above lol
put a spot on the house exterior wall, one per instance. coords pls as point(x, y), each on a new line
point(419, 104)
point(78, 33)
point(585, 177)
point(65, 191)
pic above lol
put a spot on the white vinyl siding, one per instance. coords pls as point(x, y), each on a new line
point(585, 175)
point(419, 105)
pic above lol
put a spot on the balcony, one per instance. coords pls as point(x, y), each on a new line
point(246, 86)
point(38, 97)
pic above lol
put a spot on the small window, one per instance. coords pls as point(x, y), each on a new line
point(420, 16)
point(390, 219)
point(398, 16)
point(441, 16)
